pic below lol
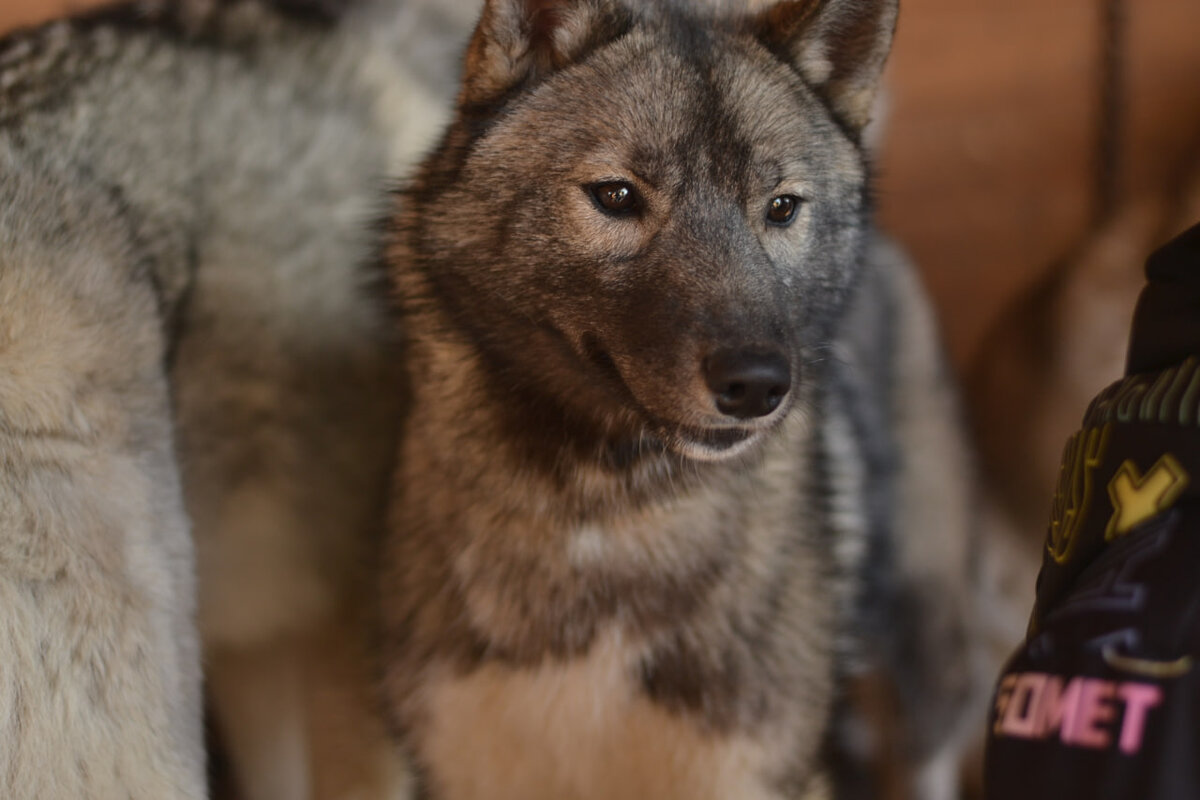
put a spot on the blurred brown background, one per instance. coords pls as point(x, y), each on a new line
point(988, 165)
point(989, 161)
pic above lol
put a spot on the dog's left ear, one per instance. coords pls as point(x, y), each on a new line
point(839, 47)
point(517, 41)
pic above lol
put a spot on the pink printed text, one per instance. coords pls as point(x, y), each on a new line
point(1079, 712)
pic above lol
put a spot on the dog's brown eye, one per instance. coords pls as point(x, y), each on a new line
point(782, 209)
point(616, 198)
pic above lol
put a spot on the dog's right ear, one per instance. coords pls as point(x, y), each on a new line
point(520, 40)
point(839, 46)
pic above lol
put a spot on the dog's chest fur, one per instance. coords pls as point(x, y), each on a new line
point(580, 729)
point(641, 657)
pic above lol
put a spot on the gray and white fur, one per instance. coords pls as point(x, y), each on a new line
point(196, 389)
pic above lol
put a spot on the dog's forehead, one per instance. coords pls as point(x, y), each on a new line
point(683, 97)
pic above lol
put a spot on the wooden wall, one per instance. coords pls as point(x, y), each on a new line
point(988, 163)
point(25, 12)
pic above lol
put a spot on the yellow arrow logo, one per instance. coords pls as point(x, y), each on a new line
point(1136, 497)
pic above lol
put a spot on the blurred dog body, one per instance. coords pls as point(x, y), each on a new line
point(195, 379)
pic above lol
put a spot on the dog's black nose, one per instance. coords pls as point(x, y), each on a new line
point(747, 383)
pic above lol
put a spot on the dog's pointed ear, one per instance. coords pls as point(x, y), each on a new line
point(839, 47)
point(519, 40)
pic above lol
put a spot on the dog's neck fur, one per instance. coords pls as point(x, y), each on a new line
point(543, 558)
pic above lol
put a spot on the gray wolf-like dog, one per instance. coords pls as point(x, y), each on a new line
point(677, 459)
point(195, 381)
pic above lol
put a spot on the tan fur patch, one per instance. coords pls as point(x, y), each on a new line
point(580, 730)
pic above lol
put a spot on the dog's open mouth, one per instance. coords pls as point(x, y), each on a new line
point(689, 443)
point(716, 439)
point(711, 444)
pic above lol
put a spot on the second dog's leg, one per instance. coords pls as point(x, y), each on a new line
point(298, 716)
point(257, 695)
point(99, 660)
point(286, 414)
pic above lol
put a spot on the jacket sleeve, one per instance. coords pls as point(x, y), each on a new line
point(1102, 700)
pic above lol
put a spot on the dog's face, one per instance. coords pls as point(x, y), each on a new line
point(653, 216)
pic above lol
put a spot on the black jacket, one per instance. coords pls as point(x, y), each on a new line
point(1102, 701)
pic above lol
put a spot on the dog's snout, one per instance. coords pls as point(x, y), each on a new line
point(747, 383)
